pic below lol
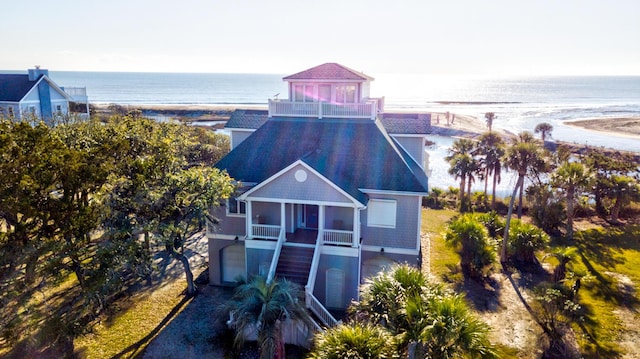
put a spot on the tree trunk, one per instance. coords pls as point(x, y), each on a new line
point(615, 210)
point(469, 191)
point(520, 199)
point(463, 181)
point(486, 185)
point(191, 287)
point(493, 196)
point(503, 252)
point(570, 195)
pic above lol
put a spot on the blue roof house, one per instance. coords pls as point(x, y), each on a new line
point(35, 94)
point(330, 189)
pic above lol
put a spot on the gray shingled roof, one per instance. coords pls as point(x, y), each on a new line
point(394, 123)
point(13, 87)
point(353, 154)
point(407, 123)
point(249, 119)
point(329, 71)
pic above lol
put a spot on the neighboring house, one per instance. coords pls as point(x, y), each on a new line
point(35, 94)
point(330, 189)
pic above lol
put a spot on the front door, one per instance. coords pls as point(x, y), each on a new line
point(307, 216)
point(311, 216)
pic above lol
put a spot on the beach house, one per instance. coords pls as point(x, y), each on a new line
point(329, 189)
point(35, 94)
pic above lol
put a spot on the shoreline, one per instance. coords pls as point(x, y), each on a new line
point(614, 126)
point(463, 125)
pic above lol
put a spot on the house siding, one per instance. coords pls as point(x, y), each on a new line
point(255, 259)
point(414, 146)
point(313, 189)
point(237, 137)
point(229, 225)
point(349, 265)
point(404, 235)
point(394, 257)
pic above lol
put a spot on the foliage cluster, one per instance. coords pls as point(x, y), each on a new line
point(402, 314)
point(92, 203)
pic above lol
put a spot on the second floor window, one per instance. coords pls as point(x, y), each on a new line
point(236, 207)
point(303, 93)
point(346, 93)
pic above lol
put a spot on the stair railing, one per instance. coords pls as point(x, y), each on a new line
point(311, 301)
point(276, 256)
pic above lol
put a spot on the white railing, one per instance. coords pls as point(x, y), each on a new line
point(75, 91)
point(368, 109)
point(337, 237)
point(266, 231)
point(318, 309)
point(311, 301)
point(276, 257)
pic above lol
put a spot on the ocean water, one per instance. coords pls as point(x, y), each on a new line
point(520, 103)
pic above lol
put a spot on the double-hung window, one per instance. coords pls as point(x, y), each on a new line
point(236, 207)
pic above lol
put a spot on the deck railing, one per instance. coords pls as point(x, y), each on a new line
point(368, 109)
point(266, 231)
point(337, 237)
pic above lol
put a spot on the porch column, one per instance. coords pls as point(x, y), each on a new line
point(356, 227)
point(321, 222)
point(249, 220)
point(283, 220)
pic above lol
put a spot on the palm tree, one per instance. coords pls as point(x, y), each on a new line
point(469, 236)
point(623, 189)
point(426, 321)
point(564, 256)
point(462, 164)
point(454, 333)
point(570, 176)
point(544, 129)
point(491, 147)
point(354, 341)
point(523, 156)
point(490, 116)
point(265, 306)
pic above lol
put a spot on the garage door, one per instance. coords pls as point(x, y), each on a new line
point(233, 263)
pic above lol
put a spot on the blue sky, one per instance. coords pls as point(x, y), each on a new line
point(543, 37)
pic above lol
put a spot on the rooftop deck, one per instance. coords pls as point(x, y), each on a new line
point(367, 109)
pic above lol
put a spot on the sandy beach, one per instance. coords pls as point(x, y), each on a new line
point(461, 126)
point(619, 126)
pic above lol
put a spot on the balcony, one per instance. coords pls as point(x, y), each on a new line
point(78, 94)
point(367, 109)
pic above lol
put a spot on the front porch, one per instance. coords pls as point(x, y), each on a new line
point(303, 223)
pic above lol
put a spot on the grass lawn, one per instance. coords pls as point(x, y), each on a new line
point(136, 321)
point(443, 259)
point(611, 256)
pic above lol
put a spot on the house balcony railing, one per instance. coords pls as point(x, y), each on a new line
point(78, 94)
point(337, 237)
point(266, 231)
point(367, 109)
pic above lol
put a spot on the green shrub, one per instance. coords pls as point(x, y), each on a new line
point(469, 237)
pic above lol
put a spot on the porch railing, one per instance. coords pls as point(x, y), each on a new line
point(368, 109)
point(266, 231)
point(337, 237)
